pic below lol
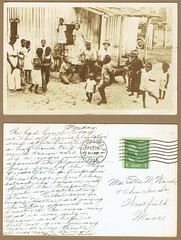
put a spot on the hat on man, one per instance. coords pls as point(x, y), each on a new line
point(88, 42)
point(106, 42)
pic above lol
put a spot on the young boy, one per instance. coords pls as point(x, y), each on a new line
point(66, 70)
point(107, 76)
point(90, 87)
point(146, 79)
point(164, 80)
point(47, 62)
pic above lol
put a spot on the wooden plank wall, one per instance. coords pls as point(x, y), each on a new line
point(122, 34)
point(37, 23)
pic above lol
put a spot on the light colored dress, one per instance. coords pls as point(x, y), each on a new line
point(163, 81)
point(28, 60)
point(145, 84)
point(61, 34)
point(36, 72)
point(79, 44)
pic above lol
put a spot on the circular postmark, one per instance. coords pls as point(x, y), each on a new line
point(93, 150)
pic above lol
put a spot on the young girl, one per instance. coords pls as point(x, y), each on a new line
point(164, 80)
point(146, 79)
point(47, 62)
point(61, 29)
point(28, 62)
point(36, 73)
point(90, 87)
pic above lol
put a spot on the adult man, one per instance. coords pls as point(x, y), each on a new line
point(13, 71)
point(103, 52)
point(135, 67)
point(21, 55)
point(88, 59)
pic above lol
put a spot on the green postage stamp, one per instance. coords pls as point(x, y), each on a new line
point(135, 152)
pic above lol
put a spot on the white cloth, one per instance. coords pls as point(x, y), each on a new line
point(90, 85)
point(61, 34)
point(37, 77)
point(102, 53)
point(13, 78)
point(145, 84)
point(21, 54)
point(11, 52)
point(90, 54)
point(28, 60)
point(79, 45)
point(163, 81)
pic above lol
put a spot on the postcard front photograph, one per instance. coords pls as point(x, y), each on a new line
point(90, 58)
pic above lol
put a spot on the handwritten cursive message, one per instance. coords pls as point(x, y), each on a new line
point(48, 188)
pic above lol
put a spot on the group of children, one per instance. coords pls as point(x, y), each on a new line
point(29, 68)
point(39, 68)
point(35, 70)
point(140, 78)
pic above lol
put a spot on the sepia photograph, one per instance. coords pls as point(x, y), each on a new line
point(90, 58)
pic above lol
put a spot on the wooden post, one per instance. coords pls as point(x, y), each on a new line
point(103, 30)
point(146, 38)
point(165, 35)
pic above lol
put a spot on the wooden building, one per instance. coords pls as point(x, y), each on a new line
point(118, 25)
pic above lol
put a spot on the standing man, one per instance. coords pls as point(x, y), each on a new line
point(88, 59)
point(13, 71)
point(135, 67)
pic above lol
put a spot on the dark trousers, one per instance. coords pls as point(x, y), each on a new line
point(45, 78)
point(87, 67)
point(89, 96)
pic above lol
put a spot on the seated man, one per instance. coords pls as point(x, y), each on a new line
point(88, 59)
point(103, 52)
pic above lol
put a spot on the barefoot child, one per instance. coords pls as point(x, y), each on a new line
point(28, 62)
point(107, 77)
point(146, 79)
point(47, 62)
point(36, 73)
point(164, 80)
point(90, 87)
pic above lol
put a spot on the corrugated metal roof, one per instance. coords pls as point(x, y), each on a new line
point(115, 11)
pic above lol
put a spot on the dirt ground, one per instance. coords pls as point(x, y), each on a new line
point(61, 98)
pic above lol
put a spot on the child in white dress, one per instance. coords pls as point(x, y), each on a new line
point(28, 66)
point(36, 72)
point(164, 80)
point(146, 79)
point(90, 87)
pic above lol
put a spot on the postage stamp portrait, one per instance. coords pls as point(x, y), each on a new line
point(90, 58)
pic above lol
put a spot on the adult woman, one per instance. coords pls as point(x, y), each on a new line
point(61, 29)
point(79, 41)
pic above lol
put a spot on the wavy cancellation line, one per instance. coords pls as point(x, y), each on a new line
point(150, 157)
point(151, 147)
point(157, 155)
point(146, 141)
